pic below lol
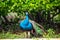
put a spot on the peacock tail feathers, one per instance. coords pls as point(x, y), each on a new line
point(37, 29)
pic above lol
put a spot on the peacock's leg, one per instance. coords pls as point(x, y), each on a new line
point(28, 34)
point(25, 34)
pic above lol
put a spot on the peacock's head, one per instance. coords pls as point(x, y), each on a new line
point(26, 13)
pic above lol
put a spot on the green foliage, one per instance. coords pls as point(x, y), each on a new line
point(11, 36)
point(57, 18)
point(20, 6)
point(26, 5)
point(51, 34)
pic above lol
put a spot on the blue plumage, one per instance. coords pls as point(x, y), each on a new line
point(25, 24)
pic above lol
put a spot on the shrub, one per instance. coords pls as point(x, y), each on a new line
point(51, 34)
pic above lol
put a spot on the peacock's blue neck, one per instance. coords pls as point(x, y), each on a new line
point(26, 21)
point(27, 17)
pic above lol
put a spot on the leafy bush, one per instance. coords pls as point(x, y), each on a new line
point(20, 6)
point(57, 18)
point(51, 34)
point(26, 5)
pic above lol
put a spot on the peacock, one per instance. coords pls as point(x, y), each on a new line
point(28, 25)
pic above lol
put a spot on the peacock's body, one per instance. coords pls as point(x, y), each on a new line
point(25, 24)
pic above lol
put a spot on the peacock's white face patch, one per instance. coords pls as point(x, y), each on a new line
point(26, 13)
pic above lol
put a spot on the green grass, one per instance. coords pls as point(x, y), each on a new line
point(11, 36)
